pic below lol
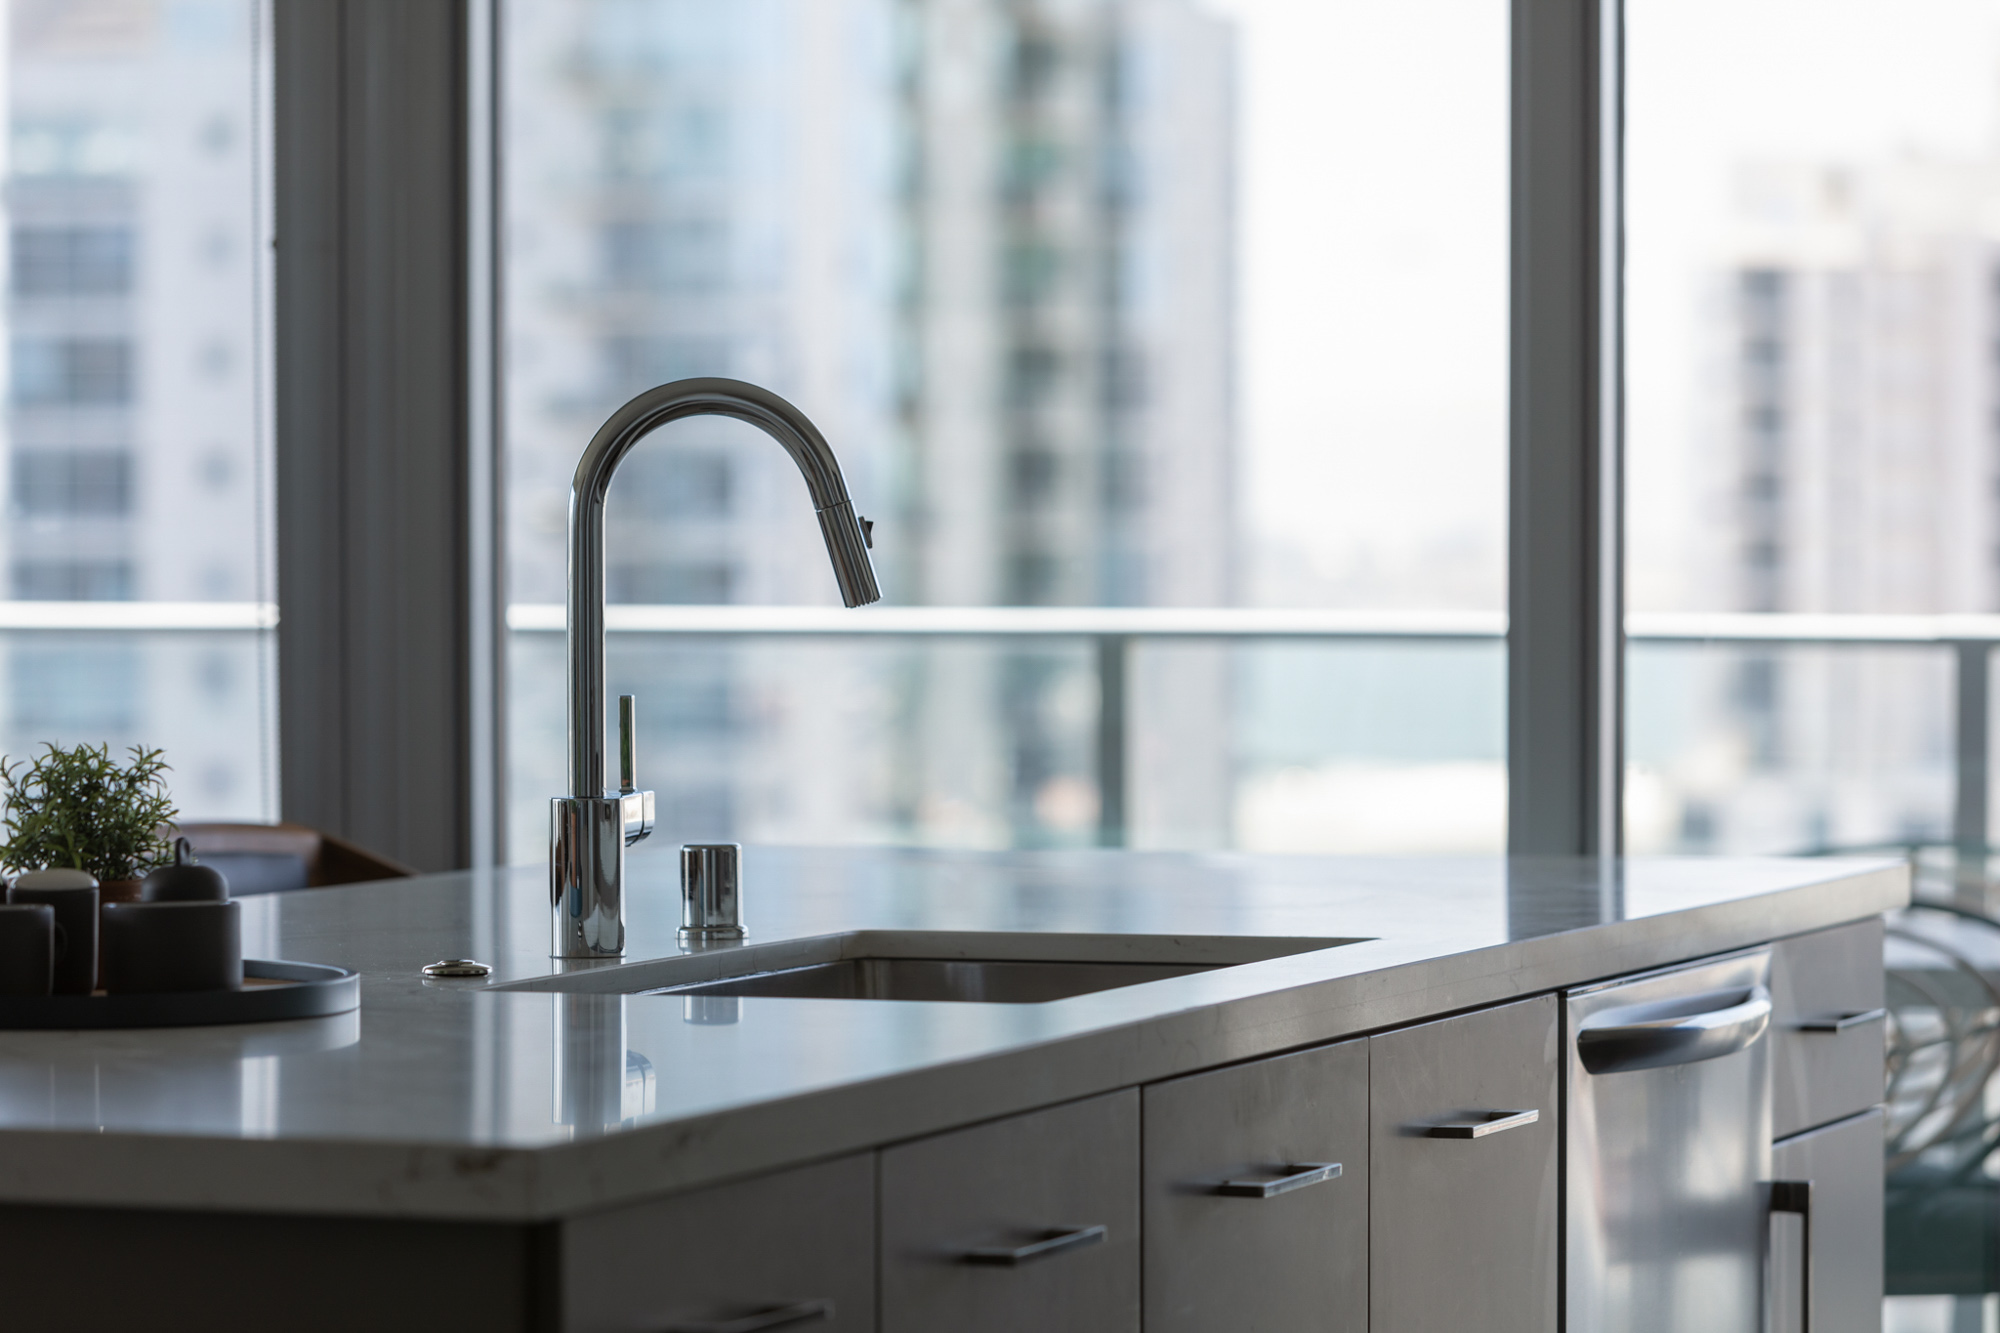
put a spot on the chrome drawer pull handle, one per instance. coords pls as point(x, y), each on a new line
point(1301, 1175)
point(1055, 1242)
point(1795, 1196)
point(1842, 1022)
point(1494, 1122)
point(805, 1312)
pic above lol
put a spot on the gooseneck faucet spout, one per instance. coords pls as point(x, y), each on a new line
point(591, 828)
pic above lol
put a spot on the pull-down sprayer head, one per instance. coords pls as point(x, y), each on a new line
point(846, 542)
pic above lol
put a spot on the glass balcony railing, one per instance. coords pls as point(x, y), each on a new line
point(1272, 730)
point(1148, 727)
point(1015, 726)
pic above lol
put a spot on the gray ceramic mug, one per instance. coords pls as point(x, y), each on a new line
point(75, 908)
point(27, 948)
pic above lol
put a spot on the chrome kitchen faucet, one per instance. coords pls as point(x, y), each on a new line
point(589, 829)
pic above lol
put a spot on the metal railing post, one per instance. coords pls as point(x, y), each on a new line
point(1970, 726)
point(1113, 666)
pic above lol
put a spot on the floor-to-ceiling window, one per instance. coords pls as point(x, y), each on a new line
point(1189, 310)
point(1814, 367)
point(1813, 322)
point(134, 561)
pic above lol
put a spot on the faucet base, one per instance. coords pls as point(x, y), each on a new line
point(696, 938)
point(587, 876)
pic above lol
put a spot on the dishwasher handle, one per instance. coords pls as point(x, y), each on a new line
point(1654, 1036)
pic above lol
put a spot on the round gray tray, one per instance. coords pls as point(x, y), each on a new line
point(302, 990)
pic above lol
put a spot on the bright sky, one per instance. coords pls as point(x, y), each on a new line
point(1374, 178)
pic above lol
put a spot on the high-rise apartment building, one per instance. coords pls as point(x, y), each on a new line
point(1859, 384)
point(1853, 424)
point(134, 433)
point(987, 245)
point(1068, 314)
point(1068, 306)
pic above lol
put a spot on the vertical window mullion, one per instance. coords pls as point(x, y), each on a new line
point(1565, 556)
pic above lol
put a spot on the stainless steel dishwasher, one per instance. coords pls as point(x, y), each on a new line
point(1669, 1150)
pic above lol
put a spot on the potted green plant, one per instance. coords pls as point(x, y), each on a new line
point(82, 809)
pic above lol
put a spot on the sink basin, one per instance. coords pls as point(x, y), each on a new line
point(953, 966)
point(986, 980)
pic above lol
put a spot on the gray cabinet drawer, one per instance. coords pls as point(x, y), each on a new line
point(1462, 1230)
point(1221, 1253)
point(1820, 1071)
point(955, 1207)
point(798, 1239)
point(1844, 1163)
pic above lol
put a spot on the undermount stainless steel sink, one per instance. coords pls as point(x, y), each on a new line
point(952, 966)
point(987, 980)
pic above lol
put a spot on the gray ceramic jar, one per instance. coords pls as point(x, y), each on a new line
point(154, 948)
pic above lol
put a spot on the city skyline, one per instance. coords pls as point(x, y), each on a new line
point(1218, 430)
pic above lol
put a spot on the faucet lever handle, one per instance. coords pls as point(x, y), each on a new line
point(635, 806)
point(628, 764)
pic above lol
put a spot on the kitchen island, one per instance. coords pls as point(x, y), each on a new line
point(476, 1143)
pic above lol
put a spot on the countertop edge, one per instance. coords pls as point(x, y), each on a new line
point(734, 1142)
point(523, 1185)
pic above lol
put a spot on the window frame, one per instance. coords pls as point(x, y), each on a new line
point(388, 638)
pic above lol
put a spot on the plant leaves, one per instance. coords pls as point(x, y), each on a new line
point(82, 809)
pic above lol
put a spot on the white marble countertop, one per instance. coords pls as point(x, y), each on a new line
point(451, 1099)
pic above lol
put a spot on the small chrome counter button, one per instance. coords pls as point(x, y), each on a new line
point(457, 967)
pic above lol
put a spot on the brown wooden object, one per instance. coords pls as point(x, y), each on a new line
point(328, 860)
